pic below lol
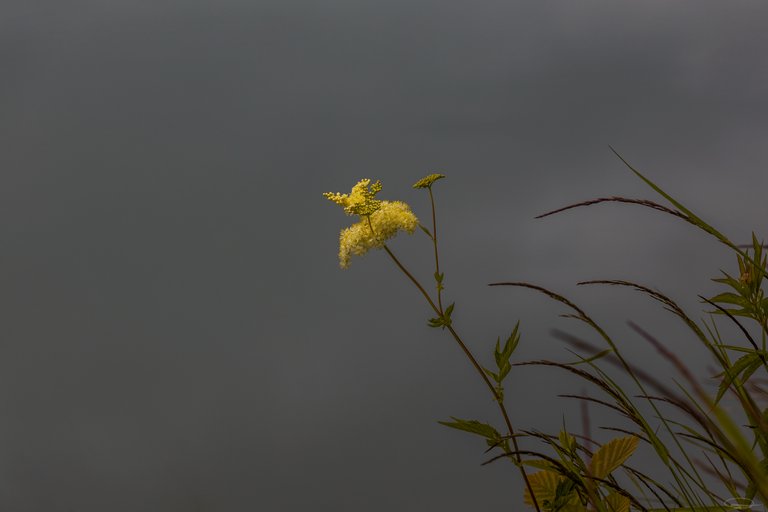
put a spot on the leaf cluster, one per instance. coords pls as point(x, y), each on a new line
point(747, 292)
point(568, 484)
point(501, 356)
point(443, 320)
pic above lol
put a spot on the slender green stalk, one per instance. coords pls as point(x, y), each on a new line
point(437, 258)
point(473, 360)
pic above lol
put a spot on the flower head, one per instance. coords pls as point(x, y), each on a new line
point(384, 224)
point(427, 181)
point(379, 220)
point(361, 200)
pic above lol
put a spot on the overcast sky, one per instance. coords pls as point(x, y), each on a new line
point(176, 332)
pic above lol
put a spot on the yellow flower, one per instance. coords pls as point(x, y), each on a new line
point(385, 222)
point(361, 201)
point(379, 220)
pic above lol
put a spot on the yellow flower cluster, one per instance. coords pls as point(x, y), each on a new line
point(361, 201)
point(379, 220)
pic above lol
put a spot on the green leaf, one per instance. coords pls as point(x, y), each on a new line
point(553, 492)
point(474, 427)
point(439, 279)
point(612, 455)
point(491, 374)
point(567, 441)
point(741, 312)
point(504, 370)
point(497, 351)
point(544, 485)
point(741, 364)
point(540, 464)
point(751, 369)
point(512, 341)
point(502, 355)
point(692, 218)
point(595, 357)
point(426, 231)
point(752, 488)
point(447, 315)
point(737, 348)
point(436, 322)
point(731, 298)
point(615, 502)
point(564, 495)
point(444, 320)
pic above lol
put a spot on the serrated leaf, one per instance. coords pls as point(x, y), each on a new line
point(474, 427)
point(564, 496)
point(612, 455)
point(615, 502)
point(544, 485)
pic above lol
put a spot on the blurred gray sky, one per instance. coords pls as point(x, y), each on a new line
point(176, 332)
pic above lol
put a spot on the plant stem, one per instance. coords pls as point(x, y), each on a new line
point(413, 280)
point(496, 396)
point(437, 259)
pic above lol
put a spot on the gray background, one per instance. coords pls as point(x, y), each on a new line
point(176, 332)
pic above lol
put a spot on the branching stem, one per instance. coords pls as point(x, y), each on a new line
point(468, 353)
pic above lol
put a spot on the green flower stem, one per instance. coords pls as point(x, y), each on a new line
point(437, 259)
point(494, 392)
point(413, 280)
